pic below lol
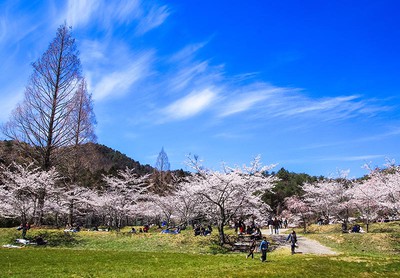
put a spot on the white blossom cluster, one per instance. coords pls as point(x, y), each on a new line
point(374, 197)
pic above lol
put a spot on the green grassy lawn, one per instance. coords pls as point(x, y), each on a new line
point(110, 254)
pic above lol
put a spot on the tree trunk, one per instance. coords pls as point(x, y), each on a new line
point(368, 214)
point(304, 224)
point(70, 213)
point(39, 208)
point(222, 239)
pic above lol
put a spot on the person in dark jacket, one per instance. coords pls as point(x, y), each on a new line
point(264, 247)
point(251, 250)
point(276, 226)
point(293, 240)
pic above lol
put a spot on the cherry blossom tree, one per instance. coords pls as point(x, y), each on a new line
point(122, 193)
point(74, 200)
point(330, 198)
point(365, 199)
point(390, 188)
point(296, 207)
point(181, 205)
point(165, 206)
point(27, 189)
point(381, 189)
point(187, 205)
point(223, 195)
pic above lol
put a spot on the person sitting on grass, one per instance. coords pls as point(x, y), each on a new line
point(208, 230)
point(356, 228)
point(197, 230)
point(256, 234)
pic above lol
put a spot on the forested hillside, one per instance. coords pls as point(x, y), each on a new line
point(95, 160)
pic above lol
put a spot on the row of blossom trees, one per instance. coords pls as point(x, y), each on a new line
point(28, 193)
point(370, 198)
point(217, 196)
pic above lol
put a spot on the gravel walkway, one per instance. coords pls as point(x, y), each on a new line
point(306, 245)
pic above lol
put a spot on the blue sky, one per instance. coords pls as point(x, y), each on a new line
point(310, 85)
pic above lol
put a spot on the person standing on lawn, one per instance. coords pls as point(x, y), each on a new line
point(24, 227)
point(264, 247)
point(252, 248)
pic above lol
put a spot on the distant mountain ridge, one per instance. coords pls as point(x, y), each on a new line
point(96, 160)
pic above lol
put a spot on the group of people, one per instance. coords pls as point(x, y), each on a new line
point(263, 249)
point(253, 230)
point(264, 245)
point(145, 229)
point(200, 230)
point(275, 224)
point(73, 229)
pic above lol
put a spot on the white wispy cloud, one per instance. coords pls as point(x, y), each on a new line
point(124, 11)
point(186, 75)
point(79, 12)
point(114, 72)
point(246, 101)
point(316, 105)
point(393, 131)
point(111, 64)
point(378, 137)
point(109, 14)
point(119, 82)
point(353, 158)
point(186, 54)
point(19, 26)
point(190, 105)
point(152, 19)
point(229, 135)
point(258, 99)
point(327, 109)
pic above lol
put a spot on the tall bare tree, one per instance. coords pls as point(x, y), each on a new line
point(56, 111)
point(162, 175)
point(162, 163)
point(44, 118)
point(82, 121)
point(82, 117)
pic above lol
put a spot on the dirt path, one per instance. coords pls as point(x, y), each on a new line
point(306, 245)
point(310, 246)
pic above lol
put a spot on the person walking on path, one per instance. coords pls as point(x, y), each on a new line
point(285, 223)
point(276, 226)
point(292, 237)
point(264, 247)
point(252, 248)
point(271, 226)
